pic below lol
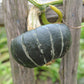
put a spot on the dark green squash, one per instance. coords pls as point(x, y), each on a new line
point(41, 45)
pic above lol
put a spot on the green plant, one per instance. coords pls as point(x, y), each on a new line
point(5, 75)
point(80, 73)
point(50, 71)
point(80, 67)
point(5, 70)
point(82, 38)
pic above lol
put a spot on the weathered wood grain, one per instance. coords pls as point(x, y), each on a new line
point(73, 16)
point(15, 17)
point(1, 15)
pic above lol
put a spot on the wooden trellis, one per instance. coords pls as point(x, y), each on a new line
point(15, 16)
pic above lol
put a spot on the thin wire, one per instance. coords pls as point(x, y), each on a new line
point(72, 27)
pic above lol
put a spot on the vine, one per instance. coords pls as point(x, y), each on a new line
point(43, 7)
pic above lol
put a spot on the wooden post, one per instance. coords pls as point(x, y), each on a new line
point(72, 16)
point(1, 15)
point(15, 17)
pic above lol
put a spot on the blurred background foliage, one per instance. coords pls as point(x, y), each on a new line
point(42, 73)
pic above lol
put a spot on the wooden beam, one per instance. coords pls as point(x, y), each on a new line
point(15, 17)
point(73, 16)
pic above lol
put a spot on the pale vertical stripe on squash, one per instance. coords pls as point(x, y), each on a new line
point(39, 46)
point(52, 45)
point(62, 42)
point(26, 52)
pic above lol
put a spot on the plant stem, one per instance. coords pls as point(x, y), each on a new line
point(43, 6)
point(35, 3)
point(53, 3)
point(33, 18)
point(60, 16)
point(44, 19)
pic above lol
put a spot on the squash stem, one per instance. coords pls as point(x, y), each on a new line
point(43, 6)
point(33, 18)
point(44, 19)
point(60, 16)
